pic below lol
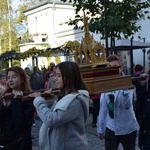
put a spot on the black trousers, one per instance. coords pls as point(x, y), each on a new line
point(96, 104)
point(112, 141)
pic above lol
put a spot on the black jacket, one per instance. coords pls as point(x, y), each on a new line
point(17, 121)
point(37, 81)
point(144, 134)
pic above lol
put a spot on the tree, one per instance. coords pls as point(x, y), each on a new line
point(8, 33)
point(70, 46)
point(122, 16)
point(8, 36)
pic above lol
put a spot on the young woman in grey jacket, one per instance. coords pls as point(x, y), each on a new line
point(63, 125)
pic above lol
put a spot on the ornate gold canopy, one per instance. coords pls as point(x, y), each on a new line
point(98, 76)
point(90, 51)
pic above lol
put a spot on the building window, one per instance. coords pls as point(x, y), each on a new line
point(43, 39)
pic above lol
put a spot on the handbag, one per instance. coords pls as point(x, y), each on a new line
point(8, 143)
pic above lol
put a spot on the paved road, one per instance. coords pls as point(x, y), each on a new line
point(94, 142)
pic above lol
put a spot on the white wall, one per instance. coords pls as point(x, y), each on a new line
point(50, 19)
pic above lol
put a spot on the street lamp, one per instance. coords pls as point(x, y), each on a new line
point(144, 51)
point(106, 27)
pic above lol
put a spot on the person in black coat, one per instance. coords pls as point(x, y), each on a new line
point(37, 79)
point(144, 133)
point(140, 89)
point(16, 116)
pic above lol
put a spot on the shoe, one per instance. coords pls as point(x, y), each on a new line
point(93, 125)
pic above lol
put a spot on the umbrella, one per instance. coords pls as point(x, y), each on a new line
point(126, 44)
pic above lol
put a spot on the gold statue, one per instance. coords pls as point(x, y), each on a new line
point(98, 76)
point(90, 51)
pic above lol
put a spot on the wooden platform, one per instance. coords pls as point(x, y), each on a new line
point(104, 79)
point(96, 86)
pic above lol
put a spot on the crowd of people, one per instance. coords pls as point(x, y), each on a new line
point(63, 121)
point(64, 116)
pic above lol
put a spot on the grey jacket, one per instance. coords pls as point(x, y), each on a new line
point(64, 124)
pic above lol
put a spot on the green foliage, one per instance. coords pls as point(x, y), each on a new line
point(122, 16)
point(70, 46)
point(16, 62)
point(44, 45)
point(48, 59)
point(13, 55)
point(3, 65)
point(57, 59)
point(21, 16)
point(25, 38)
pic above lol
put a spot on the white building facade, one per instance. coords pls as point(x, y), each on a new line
point(47, 24)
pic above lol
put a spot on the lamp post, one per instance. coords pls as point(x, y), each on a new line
point(144, 51)
point(106, 27)
point(131, 56)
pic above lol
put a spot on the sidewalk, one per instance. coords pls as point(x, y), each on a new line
point(94, 142)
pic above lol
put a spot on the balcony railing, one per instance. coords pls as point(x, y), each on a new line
point(33, 38)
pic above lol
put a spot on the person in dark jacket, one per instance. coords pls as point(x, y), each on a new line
point(144, 133)
point(139, 89)
point(15, 115)
point(37, 79)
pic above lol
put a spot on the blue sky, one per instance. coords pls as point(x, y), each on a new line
point(21, 28)
point(15, 3)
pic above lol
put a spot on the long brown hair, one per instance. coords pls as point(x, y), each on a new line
point(25, 87)
point(71, 76)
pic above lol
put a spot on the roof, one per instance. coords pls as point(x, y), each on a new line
point(46, 3)
point(126, 44)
